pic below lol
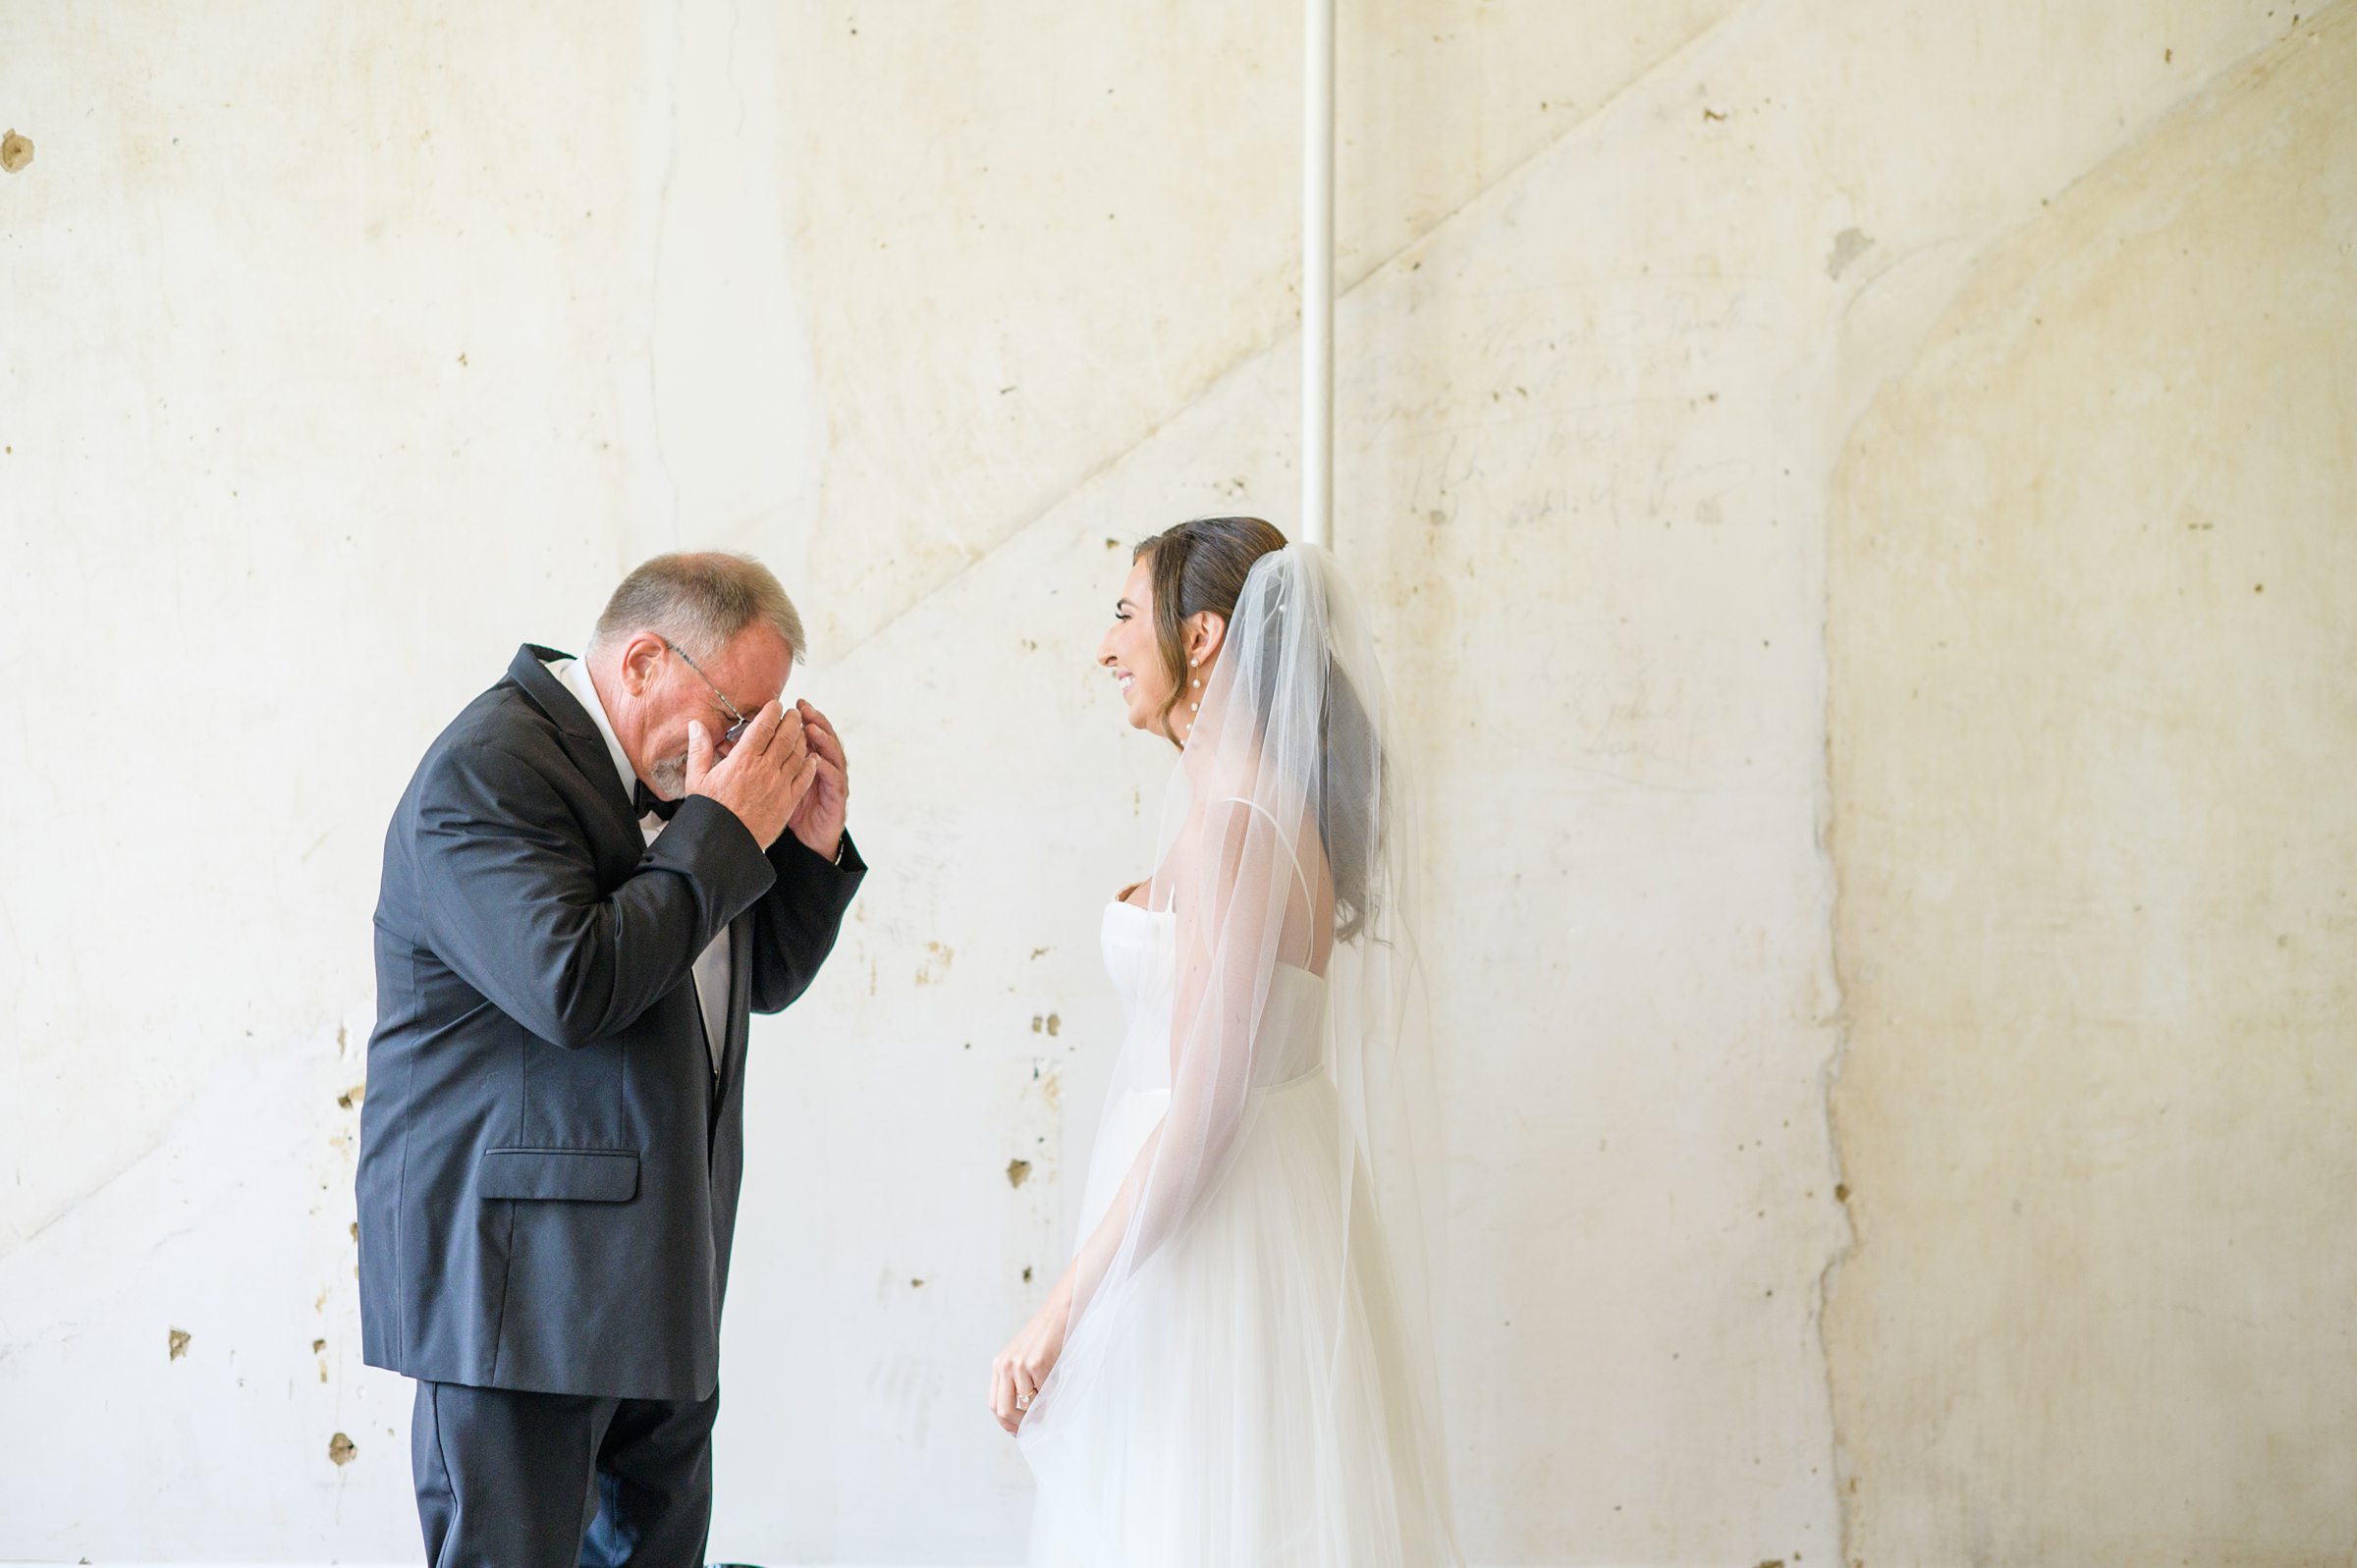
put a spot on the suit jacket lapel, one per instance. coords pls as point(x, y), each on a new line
point(576, 729)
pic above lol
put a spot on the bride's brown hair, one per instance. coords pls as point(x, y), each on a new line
point(1198, 566)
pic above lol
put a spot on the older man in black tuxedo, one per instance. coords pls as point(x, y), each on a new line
point(600, 868)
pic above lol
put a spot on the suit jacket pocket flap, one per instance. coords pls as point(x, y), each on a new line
point(597, 1175)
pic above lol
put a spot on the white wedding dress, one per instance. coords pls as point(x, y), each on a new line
point(1255, 1410)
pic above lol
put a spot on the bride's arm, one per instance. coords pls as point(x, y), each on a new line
point(1230, 924)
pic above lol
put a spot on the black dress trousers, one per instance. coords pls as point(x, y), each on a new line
point(508, 1479)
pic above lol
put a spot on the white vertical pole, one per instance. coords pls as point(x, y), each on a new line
point(1317, 271)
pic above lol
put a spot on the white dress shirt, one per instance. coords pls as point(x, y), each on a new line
point(712, 966)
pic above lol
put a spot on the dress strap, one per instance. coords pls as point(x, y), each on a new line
point(1282, 837)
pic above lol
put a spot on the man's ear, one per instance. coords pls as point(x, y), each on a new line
point(640, 656)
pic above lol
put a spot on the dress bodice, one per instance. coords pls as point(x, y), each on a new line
point(1141, 957)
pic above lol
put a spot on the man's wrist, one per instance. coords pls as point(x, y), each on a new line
point(835, 856)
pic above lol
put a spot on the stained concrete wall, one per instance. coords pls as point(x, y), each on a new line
point(2093, 615)
point(1686, 406)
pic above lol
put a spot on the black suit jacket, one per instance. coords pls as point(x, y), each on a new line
point(548, 1170)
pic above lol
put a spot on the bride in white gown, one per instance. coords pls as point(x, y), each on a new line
point(1236, 1371)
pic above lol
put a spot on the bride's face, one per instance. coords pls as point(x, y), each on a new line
point(1131, 653)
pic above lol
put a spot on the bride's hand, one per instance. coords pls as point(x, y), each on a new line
point(1017, 1371)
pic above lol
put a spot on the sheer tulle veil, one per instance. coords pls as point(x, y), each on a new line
point(1287, 843)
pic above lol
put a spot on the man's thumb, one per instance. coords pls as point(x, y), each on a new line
point(700, 753)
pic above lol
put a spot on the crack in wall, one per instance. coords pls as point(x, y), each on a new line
point(1828, 1078)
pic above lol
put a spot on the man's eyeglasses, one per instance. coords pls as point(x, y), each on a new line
point(736, 730)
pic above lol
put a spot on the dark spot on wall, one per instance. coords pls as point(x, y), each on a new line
point(15, 152)
point(352, 1095)
point(1054, 1025)
point(934, 964)
point(179, 1344)
point(917, 1284)
point(1841, 1192)
point(1027, 1273)
point(340, 1449)
point(1017, 1172)
point(1849, 245)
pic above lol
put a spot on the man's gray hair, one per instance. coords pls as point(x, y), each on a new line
point(700, 601)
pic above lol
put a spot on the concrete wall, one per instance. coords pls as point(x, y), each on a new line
point(1806, 460)
point(2093, 616)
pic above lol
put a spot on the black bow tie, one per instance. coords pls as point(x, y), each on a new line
point(644, 800)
